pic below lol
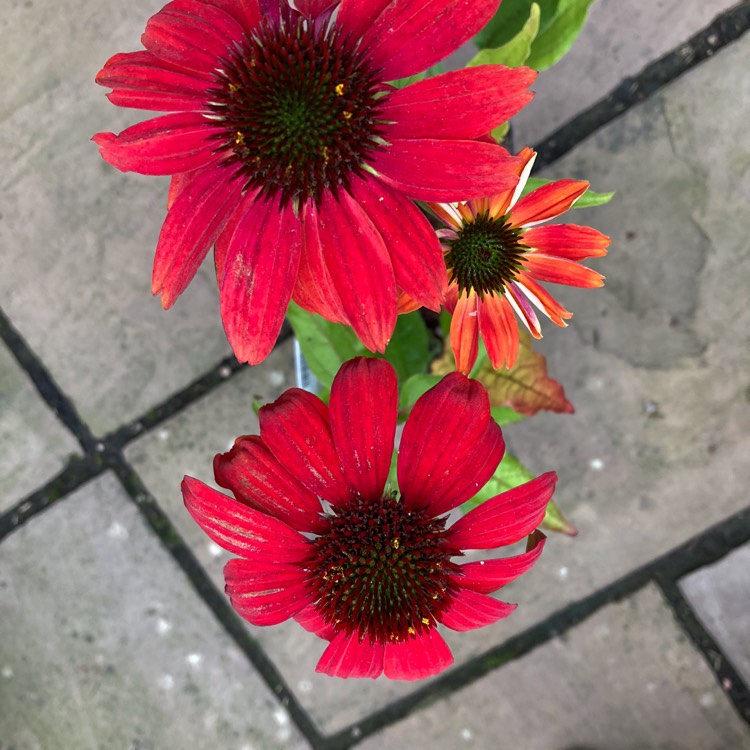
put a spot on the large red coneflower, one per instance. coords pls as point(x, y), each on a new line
point(293, 154)
point(323, 538)
point(496, 255)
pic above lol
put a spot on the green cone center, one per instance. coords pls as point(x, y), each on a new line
point(485, 255)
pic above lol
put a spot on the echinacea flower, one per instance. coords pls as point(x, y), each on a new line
point(324, 539)
point(496, 255)
point(293, 154)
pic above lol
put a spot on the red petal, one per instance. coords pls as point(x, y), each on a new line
point(437, 170)
point(256, 478)
point(164, 145)
point(561, 271)
point(310, 620)
point(410, 35)
point(140, 79)
point(486, 576)
point(461, 105)
point(296, 429)
point(191, 34)
point(420, 657)
point(176, 185)
point(193, 223)
point(265, 594)
point(315, 291)
point(411, 241)
point(450, 446)
point(314, 8)
point(356, 16)
point(258, 278)
point(245, 12)
point(567, 241)
point(360, 268)
point(348, 656)
point(470, 610)
point(363, 408)
point(547, 202)
point(240, 529)
point(465, 332)
point(499, 331)
point(221, 248)
point(505, 518)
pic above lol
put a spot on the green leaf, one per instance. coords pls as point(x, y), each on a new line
point(391, 483)
point(429, 73)
point(412, 388)
point(510, 19)
point(409, 348)
point(505, 415)
point(557, 38)
point(509, 474)
point(326, 345)
point(588, 200)
point(515, 52)
point(554, 520)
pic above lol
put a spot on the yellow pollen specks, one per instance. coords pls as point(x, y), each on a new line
point(239, 139)
point(435, 595)
point(347, 115)
point(339, 89)
point(412, 631)
point(234, 88)
point(326, 154)
point(425, 621)
point(395, 544)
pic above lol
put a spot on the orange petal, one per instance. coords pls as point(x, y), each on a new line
point(499, 331)
point(406, 304)
point(560, 271)
point(567, 241)
point(546, 202)
point(465, 332)
point(543, 300)
point(500, 204)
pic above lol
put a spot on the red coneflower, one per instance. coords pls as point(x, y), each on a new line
point(496, 254)
point(292, 153)
point(323, 539)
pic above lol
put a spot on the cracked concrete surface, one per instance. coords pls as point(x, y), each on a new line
point(103, 643)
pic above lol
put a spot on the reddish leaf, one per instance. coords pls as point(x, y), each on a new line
point(526, 387)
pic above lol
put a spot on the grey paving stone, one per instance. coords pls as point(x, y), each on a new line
point(620, 38)
point(78, 236)
point(34, 446)
point(105, 645)
point(626, 678)
point(720, 594)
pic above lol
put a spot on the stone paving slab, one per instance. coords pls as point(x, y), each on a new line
point(34, 446)
point(620, 38)
point(720, 595)
point(78, 236)
point(626, 678)
point(103, 644)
